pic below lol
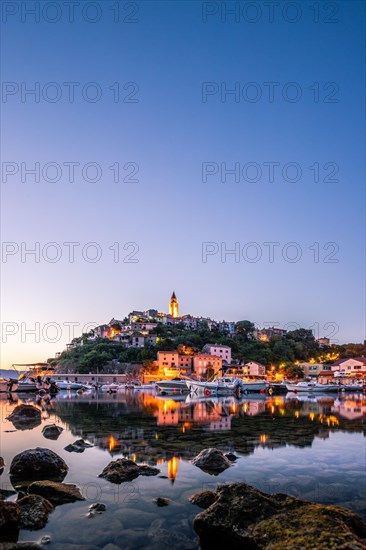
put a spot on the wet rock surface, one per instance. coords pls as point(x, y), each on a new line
point(56, 493)
point(212, 461)
point(34, 511)
point(243, 517)
point(52, 431)
point(25, 417)
point(124, 469)
point(38, 463)
point(78, 446)
point(20, 546)
point(9, 517)
point(204, 500)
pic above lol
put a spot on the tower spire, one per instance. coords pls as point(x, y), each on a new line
point(173, 306)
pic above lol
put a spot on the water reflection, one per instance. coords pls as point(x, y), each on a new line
point(309, 446)
point(152, 428)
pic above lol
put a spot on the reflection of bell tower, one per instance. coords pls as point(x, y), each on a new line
point(173, 306)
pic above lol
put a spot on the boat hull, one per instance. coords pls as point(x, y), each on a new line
point(312, 389)
point(211, 388)
point(253, 387)
point(172, 386)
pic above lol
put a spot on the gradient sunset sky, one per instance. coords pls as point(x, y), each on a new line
point(164, 127)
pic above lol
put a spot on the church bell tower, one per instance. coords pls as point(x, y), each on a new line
point(173, 306)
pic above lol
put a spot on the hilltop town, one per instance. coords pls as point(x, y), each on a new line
point(166, 344)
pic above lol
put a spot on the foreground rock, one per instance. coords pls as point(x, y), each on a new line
point(243, 517)
point(20, 546)
point(212, 461)
point(9, 517)
point(56, 493)
point(25, 417)
point(124, 469)
point(204, 500)
point(52, 431)
point(78, 446)
point(34, 511)
point(38, 463)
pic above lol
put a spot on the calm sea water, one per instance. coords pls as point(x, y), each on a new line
point(309, 447)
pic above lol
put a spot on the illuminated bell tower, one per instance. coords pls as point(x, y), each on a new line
point(173, 306)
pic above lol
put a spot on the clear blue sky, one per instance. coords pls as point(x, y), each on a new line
point(169, 52)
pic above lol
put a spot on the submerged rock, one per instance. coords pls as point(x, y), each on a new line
point(34, 511)
point(161, 501)
point(38, 463)
point(231, 457)
point(25, 417)
point(243, 517)
point(123, 469)
point(52, 431)
point(98, 507)
point(56, 493)
point(212, 461)
point(78, 446)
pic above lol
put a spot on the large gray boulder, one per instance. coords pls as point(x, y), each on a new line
point(38, 463)
point(34, 511)
point(243, 517)
point(212, 461)
point(123, 469)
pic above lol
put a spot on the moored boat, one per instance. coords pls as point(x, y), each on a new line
point(253, 386)
point(172, 386)
point(219, 386)
point(66, 385)
point(312, 387)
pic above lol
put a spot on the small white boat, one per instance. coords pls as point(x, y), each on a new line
point(311, 387)
point(144, 386)
point(172, 386)
point(253, 386)
point(219, 386)
point(66, 385)
point(111, 388)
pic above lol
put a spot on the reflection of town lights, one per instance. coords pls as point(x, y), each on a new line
point(185, 426)
point(160, 461)
point(245, 407)
point(234, 407)
point(282, 411)
point(156, 435)
point(172, 468)
point(113, 443)
point(297, 414)
point(272, 409)
point(311, 416)
point(133, 457)
point(263, 438)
